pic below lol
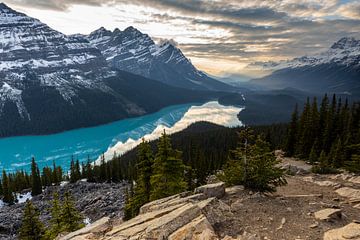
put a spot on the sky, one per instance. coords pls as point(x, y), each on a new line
point(221, 37)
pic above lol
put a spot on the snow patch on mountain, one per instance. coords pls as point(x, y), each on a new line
point(32, 50)
point(346, 52)
point(10, 93)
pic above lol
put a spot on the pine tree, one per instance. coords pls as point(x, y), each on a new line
point(324, 165)
point(330, 126)
point(55, 177)
point(141, 192)
point(70, 217)
point(313, 154)
point(304, 144)
point(292, 133)
point(36, 186)
point(6, 189)
point(89, 171)
point(253, 165)
point(77, 170)
point(168, 171)
point(56, 219)
point(31, 228)
point(73, 177)
point(103, 170)
point(115, 169)
point(336, 154)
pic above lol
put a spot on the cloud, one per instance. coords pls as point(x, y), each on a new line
point(350, 10)
point(240, 31)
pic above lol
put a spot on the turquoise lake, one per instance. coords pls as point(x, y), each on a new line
point(16, 152)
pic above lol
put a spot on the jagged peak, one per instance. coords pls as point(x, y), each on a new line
point(166, 43)
point(4, 6)
point(6, 9)
point(132, 29)
point(116, 31)
point(100, 30)
point(346, 42)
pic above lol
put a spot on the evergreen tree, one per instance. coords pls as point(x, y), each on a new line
point(56, 220)
point(313, 157)
point(31, 228)
point(168, 171)
point(77, 170)
point(292, 133)
point(103, 170)
point(141, 194)
point(89, 171)
point(115, 169)
point(336, 154)
point(324, 166)
point(6, 189)
point(305, 132)
point(253, 165)
point(71, 220)
point(36, 186)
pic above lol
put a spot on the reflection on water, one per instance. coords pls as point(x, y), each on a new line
point(120, 136)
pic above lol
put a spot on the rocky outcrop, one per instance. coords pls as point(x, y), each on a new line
point(93, 200)
point(212, 190)
point(182, 216)
point(98, 227)
point(349, 232)
point(328, 214)
point(348, 192)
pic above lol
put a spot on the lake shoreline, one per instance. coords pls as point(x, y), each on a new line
point(92, 142)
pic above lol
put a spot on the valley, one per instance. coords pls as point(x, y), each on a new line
point(179, 120)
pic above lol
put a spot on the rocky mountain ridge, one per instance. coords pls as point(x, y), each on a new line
point(133, 51)
point(63, 82)
point(336, 70)
point(346, 51)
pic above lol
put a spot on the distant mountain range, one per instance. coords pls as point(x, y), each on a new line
point(335, 70)
point(51, 82)
point(135, 52)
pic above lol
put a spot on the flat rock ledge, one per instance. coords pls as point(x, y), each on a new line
point(189, 215)
point(328, 214)
point(349, 232)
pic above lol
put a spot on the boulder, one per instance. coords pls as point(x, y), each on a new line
point(100, 226)
point(212, 190)
point(199, 228)
point(156, 228)
point(355, 179)
point(234, 190)
point(349, 232)
point(348, 192)
point(294, 167)
point(328, 214)
point(149, 206)
point(154, 206)
point(325, 183)
point(215, 210)
point(141, 222)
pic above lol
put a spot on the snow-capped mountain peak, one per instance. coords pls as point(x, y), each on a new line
point(345, 52)
point(133, 51)
point(346, 43)
point(31, 49)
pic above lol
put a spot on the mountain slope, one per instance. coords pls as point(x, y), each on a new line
point(51, 82)
point(335, 70)
point(135, 52)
